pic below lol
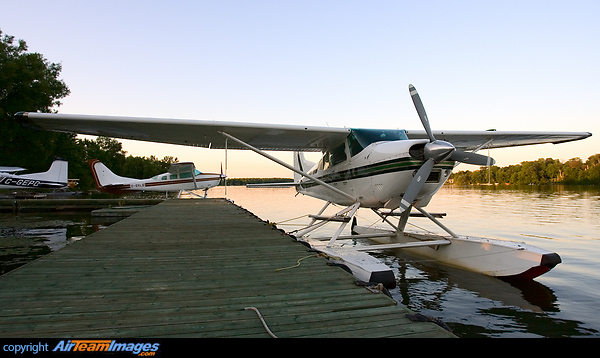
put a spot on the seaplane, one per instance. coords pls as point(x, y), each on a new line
point(53, 178)
point(182, 177)
point(387, 171)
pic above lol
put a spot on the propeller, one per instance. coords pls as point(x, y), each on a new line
point(436, 151)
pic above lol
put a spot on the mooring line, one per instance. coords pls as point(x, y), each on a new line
point(298, 264)
point(261, 319)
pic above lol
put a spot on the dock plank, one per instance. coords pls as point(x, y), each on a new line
point(188, 268)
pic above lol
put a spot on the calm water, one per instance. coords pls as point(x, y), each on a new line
point(26, 237)
point(561, 303)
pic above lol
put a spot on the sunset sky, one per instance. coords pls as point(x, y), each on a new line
point(508, 65)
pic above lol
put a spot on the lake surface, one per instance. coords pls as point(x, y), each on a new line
point(561, 303)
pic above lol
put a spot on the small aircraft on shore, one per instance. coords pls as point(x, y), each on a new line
point(54, 178)
point(181, 177)
point(389, 171)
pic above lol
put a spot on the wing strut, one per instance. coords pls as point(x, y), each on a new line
point(289, 166)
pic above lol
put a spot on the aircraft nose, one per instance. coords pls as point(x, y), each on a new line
point(438, 150)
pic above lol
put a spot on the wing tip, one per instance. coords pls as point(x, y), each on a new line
point(25, 121)
point(579, 136)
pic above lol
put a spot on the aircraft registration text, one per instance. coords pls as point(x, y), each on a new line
point(20, 182)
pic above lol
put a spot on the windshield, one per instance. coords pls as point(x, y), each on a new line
point(359, 139)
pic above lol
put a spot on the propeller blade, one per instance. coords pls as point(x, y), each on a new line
point(421, 111)
point(416, 184)
point(472, 158)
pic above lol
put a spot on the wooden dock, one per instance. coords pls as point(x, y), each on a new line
point(189, 268)
point(40, 205)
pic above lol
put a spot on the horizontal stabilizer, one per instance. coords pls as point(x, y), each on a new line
point(272, 185)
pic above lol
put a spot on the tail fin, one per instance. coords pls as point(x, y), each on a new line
point(58, 172)
point(102, 175)
point(301, 164)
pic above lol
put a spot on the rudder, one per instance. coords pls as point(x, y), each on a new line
point(102, 175)
point(301, 164)
point(58, 172)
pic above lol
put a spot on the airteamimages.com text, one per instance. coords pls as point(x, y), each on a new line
point(147, 349)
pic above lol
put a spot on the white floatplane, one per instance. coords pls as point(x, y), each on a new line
point(181, 177)
point(54, 178)
point(385, 170)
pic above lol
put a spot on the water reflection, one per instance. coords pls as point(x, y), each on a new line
point(26, 237)
point(474, 305)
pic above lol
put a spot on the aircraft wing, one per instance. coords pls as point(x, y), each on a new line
point(206, 133)
point(471, 140)
point(201, 133)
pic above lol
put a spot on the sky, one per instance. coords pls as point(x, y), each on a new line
point(507, 65)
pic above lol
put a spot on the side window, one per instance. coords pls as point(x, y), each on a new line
point(324, 162)
point(354, 145)
point(338, 154)
point(173, 176)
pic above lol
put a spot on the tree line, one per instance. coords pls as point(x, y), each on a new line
point(77, 152)
point(110, 152)
point(538, 172)
point(245, 181)
point(31, 83)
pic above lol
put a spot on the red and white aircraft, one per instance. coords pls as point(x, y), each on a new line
point(180, 177)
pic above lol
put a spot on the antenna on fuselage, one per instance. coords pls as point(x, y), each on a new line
point(225, 167)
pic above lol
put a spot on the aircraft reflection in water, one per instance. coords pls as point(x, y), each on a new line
point(180, 177)
point(387, 171)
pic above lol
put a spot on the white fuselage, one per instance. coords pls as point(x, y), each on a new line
point(108, 181)
point(54, 178)
point(173, 182)
point(377, 177)
point(11, 181)
point(167, 182)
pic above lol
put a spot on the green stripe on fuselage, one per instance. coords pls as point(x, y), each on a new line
point(390, 166)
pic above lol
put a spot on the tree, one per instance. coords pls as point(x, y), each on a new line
point(29, 82)
point(593, 171)
point(539, 172)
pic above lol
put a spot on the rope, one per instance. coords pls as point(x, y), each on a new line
point(292, 219)
point(298, 264)
point(261, 319)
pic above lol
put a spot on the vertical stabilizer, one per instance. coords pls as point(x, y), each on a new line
point(104, 176)
point(58, 172)
point(301, 164)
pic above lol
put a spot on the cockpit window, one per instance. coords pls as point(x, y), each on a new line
point(335, 156)
point(338, 154)
point(359, 139)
